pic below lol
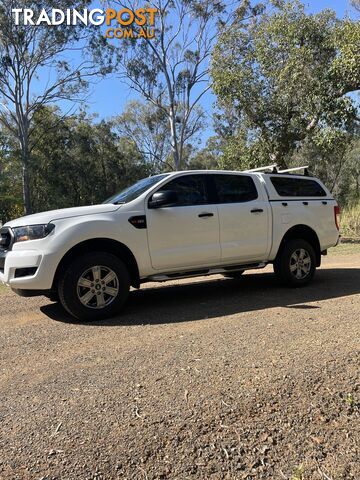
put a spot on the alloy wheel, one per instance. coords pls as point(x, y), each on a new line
point(300, 263)
point(97, 287)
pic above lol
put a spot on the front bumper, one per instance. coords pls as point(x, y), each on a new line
point(13, 260)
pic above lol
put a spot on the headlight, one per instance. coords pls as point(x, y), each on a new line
point(32, 232)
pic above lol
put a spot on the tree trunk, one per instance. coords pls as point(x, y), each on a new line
point(174, 142)
point(25, 158)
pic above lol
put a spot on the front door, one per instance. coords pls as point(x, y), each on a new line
point(186, 234)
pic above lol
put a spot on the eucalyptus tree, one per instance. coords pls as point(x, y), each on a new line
point(146, 127)
point(39, 65)
point(171, 70)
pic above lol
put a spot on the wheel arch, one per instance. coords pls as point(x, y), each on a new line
point(100, 245)
point(306, 233)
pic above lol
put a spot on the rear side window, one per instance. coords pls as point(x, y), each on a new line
point(297, 187)
point(190, 189)
point(234, 188)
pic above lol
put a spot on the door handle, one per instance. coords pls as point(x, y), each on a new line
point(256, 210)
point(205, 215)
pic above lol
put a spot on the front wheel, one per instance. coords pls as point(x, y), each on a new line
point(296, 263)
point(95, 286)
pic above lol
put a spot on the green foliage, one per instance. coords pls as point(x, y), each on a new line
point(77, 162)
point(74, 162)
point(146, 128)
point(331, 155)
point(285, 74)
point(10, 179)
point(208, 157)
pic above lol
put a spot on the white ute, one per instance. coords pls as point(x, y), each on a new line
point(174, 225)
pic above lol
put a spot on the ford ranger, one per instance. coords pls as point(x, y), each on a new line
point(170, 226)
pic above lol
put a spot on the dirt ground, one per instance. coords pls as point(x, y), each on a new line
point(204, 379)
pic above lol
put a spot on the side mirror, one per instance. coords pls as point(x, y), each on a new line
point(167, 198)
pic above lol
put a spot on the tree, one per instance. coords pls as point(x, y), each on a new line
point(146, 127)
point(208, 157)
point(171, 70)
point(329, 154)
point(27, 52)
point(285, 74)
point(79, 162)
point(10, 178)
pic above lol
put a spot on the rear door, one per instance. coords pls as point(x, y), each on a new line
point(244, 217)
point(186, 234)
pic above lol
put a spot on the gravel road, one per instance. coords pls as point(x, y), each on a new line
point(204, 379)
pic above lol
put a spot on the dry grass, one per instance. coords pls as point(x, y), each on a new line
point(350, 221)
point(4, 288)
point(345, 249)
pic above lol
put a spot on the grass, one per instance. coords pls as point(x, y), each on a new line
point(350, 221)
point(345, 249)
point(4, 288)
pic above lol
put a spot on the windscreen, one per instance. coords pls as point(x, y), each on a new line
point(135, 190)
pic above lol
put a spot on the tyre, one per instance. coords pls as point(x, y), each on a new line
point(234, 275)
point(296, 263)
point(53, 296)
point(95, 286)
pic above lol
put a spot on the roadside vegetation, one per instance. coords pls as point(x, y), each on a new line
point(350, 221)
point(345, 249)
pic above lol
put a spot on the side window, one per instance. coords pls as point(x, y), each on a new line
point(235, 188)
point(190, 189)
point(297, 187)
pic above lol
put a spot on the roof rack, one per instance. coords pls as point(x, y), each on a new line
point(260, 169)
point(305, 168)
point(274, 169)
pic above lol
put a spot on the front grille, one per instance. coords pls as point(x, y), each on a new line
point(6, 238)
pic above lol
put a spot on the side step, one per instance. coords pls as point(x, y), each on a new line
point(162, 277)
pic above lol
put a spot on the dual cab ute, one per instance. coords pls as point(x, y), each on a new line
point(168, 226)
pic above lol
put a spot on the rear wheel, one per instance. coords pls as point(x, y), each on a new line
point(95, 286)
point(296, 263)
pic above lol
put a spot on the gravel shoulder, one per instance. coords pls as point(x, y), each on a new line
point(207, 378)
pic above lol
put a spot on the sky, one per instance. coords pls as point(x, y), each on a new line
point(108, 97)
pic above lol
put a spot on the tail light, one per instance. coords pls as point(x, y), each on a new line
point(337, 216)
